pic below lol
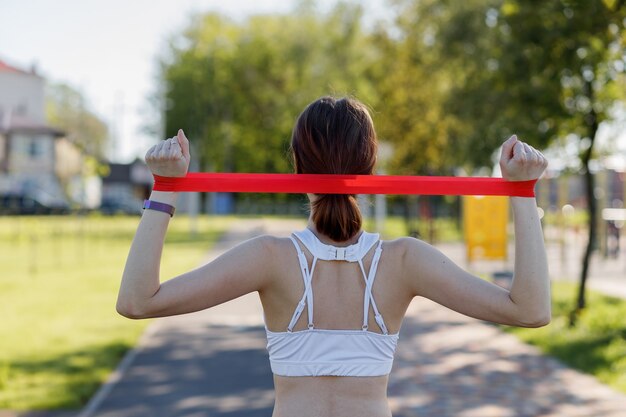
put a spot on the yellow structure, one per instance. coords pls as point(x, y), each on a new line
point(485, 220)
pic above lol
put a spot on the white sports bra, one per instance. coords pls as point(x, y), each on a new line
point(316, 352)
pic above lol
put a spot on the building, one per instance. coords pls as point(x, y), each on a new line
point(29, 147)
point(127, 181)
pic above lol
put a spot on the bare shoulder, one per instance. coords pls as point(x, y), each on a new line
point(403, 246)
point(268, 245)
point(269, 242)
point(419, 255)
point(262, 250)
point(397, 251)
point(272, 249)
point(275, 244)
point(411, 258)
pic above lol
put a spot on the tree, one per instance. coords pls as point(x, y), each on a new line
point(237, 88)
point(412, 88)
point(66, 109)
point(414, 77)
point(538, 69)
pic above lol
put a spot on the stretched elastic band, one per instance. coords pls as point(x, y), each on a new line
point(344, 184)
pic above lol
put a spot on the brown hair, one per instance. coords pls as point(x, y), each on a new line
point(335, 136)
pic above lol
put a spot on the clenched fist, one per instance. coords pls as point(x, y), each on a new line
point(170, 158)
point(520, 161)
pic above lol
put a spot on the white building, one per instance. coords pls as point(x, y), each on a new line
point(33, 154)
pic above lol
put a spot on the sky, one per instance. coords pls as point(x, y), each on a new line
point(108, 51)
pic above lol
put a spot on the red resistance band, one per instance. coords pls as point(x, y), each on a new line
point(344, 184)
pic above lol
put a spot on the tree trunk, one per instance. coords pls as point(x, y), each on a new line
point(591, 120)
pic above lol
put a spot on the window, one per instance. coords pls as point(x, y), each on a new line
point(36, 149)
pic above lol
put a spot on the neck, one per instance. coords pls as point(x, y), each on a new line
point(325, 239)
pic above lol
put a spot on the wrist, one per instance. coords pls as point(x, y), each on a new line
point(166, 197)
point(523, 200)
point(525, 206)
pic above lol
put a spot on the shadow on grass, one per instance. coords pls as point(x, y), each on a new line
point(587, 355)
point(65, 381)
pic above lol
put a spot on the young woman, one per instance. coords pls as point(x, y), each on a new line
point(333, 295)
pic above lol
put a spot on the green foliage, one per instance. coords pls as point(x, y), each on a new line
point(447, 82)
point(412, 86)
point(543, 70)
point(441, 76)
point(538, 69)
point(61, 336)
point(66, 109)
point(597, 345)
point(237, 88)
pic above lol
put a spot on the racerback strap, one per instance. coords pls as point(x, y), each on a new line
point(352, 253)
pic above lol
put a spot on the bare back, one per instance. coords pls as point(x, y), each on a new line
point(338, 304)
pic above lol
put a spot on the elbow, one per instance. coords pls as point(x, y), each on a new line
point(538, 321)
point(129, 311)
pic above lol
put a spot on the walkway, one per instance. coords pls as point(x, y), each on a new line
point(214, 363)
point(448, 365)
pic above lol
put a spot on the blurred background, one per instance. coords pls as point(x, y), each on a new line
point(87, 87)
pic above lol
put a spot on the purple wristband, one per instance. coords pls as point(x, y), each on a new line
point(155, 205)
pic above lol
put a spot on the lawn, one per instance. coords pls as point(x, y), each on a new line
point(60, 333)
point(597, 345)
point(444, 229)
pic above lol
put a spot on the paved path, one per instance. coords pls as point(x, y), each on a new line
point(214, 363)
point(448, 365)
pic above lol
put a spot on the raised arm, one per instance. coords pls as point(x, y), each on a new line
point(527, 303)
point(142, 295)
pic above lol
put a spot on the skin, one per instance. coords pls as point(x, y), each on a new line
point(408, 268)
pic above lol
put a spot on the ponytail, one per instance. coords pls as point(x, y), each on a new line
point(335, 136)
point(337, 216)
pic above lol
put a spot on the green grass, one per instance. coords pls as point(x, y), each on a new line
point(597, 345)
point(445, 229)
point(60, 333)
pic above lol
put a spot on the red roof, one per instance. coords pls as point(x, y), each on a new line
point(4, 67)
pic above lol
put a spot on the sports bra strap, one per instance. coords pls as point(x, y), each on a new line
point(307, 276)
point(308, 290)
point(369, 282)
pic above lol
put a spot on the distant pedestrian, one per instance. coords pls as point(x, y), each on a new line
point(613, 247)
point(334, 296)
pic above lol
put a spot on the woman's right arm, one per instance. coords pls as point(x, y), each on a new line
point(527, 303)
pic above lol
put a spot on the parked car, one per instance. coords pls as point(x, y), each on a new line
point(22, 203)
point(111, 205)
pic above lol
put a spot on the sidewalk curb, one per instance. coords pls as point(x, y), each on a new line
point(105, 389)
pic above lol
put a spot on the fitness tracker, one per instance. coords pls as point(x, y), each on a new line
point(155, 205)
